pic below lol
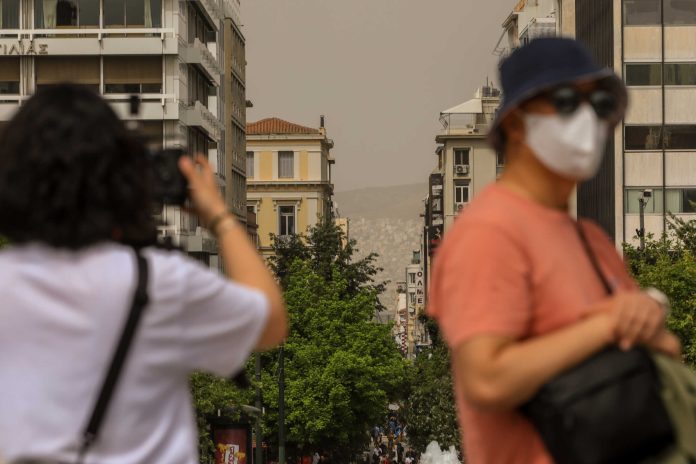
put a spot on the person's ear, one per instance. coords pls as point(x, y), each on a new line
point(514, 128)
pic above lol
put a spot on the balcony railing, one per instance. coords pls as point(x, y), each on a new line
point(99, 33)
point(197, 53)
point(197, 115)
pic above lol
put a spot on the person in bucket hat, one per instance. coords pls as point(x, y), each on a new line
point(513, 291)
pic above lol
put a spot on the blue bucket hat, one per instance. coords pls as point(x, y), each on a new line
point(544, 64)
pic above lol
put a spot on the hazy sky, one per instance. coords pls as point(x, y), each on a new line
point(380, 70)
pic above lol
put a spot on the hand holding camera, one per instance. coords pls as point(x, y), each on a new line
point(204, 192)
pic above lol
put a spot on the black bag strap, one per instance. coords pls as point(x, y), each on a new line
point(593, 259)
point(140, 300)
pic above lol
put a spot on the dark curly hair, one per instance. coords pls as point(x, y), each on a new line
point(72, 175)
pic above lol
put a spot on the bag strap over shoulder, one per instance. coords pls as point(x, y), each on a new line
point(140, 300)
point(593, 258)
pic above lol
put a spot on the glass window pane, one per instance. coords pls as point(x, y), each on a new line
point(66, 12)
point(461, 156)
point(250, 164)
point(680, 11)
point(9, 88)
point(10, 14)
point(135, 13)
point(688, 200)
point(155, 10)
point(641, 12)
point(680, 137)
point(652, 205)
point(642, 138)
point(680, 73)
point(114, 13)
point(88, 16)
point(643, 74)
point(673, 200)
point(286, 164)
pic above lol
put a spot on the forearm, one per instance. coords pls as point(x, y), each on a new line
point(514, 371)
point(244, 265)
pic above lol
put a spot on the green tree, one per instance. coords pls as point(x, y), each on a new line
point(341, 368)
point(429, 409)
point(669, 264)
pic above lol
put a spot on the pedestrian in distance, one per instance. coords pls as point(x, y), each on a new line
point(75, 202)
point(515, 294)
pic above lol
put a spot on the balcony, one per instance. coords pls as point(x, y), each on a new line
point(211, 8)
point(198, 54)
point(197, 115)
point(76, 41)
point(200, 242)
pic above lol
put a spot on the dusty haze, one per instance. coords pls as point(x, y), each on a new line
point(380, 70)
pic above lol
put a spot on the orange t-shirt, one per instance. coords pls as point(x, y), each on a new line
point(510, 266)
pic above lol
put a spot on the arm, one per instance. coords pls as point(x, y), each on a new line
point(242, 262)
point(501, 373)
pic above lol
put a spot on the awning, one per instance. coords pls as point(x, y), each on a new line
point(469, 107)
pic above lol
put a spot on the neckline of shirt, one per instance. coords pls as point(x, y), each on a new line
point(554, 213)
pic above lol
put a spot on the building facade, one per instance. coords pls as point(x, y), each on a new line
point(235, 112)
point(288, 170)
point(169, 52)
point(466, 164)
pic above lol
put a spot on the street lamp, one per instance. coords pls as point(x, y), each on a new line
point(642, 201)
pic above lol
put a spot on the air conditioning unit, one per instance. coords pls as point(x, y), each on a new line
point(461, 169)
point(459, 207)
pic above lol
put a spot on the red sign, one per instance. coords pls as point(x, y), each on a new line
point(231, 445)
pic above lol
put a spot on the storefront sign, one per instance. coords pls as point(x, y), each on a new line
point(231, 445)
point(23, 47)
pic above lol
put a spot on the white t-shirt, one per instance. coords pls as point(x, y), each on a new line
point(61, 314)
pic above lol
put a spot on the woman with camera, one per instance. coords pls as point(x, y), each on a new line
point(76, 203)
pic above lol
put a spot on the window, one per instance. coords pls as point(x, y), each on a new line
point(412, 278)
point(652, 205)
point(250, 164)
point(680, 137)
point(153, 132)
point(412, 297)
point(286, 220)
point(643, 138)
point(642, 12)
point(680, 73)
point(461, 156)
point(9, 76)
point(199, 87)
point(681, 200)
point(132, 13)
point(9, 9)
point(680, 12)
point(198, 27)
point(79, 70)
point(132, 74)
point(49, 14)
point(461, 193)
point(198, 142)
point(643, 74)
point(286, 165)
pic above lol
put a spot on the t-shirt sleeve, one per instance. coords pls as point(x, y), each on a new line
point(222, 320)
point(480, 285)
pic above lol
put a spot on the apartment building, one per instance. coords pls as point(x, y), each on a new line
point(169, 52)
point(416, 336)
point(466, 164)
point(288, 170)
point(235, 112)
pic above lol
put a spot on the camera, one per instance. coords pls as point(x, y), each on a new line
point(647, 193)
point(170, 187)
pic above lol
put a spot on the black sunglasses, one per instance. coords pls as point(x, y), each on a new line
point(567, 99)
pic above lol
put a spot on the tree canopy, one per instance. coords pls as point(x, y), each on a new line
point(669, 264)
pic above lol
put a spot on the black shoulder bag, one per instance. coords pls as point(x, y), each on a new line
point(91, 431)
point(607, 409)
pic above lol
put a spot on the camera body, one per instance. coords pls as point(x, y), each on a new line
point(170, 187)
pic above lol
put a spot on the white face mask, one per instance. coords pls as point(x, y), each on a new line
point(572, 146)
